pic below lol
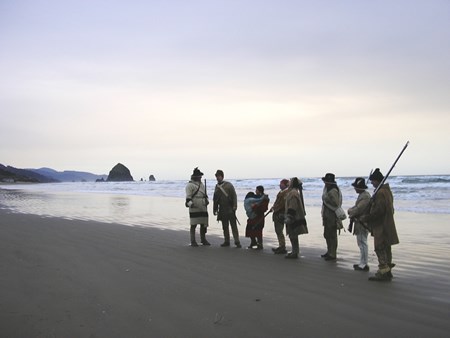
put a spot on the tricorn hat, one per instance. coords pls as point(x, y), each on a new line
point(329, 178)
point(360, 183)
point(196, 173)
point(376, 175)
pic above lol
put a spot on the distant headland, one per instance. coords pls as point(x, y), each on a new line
point(10, 174)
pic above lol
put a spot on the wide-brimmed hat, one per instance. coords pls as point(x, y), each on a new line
point(219, 173)
point(360, 183)
point(196, 173)
point(376, 175)
point(329, 178)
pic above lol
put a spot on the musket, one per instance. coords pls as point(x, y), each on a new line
point(236, 218)
point(382, 182)
point(267, 213)
point(388, 173)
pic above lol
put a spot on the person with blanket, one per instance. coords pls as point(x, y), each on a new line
point(255, 225)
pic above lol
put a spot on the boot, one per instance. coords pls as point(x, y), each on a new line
point(259, 245)
point(192, 233)
point(280, 250)
point(203, 236)
point(291, 255)
point(380, 277)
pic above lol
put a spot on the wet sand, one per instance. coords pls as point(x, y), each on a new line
point(74, 278)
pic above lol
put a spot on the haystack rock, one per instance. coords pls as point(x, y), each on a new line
point(151, 178)
point(119, 173)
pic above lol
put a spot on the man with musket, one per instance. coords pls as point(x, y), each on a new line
point(225, 206)
point(380, 219)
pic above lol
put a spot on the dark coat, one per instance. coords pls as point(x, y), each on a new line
point(381, 217)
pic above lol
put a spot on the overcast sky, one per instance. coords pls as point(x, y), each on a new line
point(257, 88)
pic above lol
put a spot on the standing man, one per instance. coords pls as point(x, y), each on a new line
point(381, 220)
point(332, 199)
point(225, 206)
point(295, 215)
point(197, 202)
point(278, 210)
point(359, 230)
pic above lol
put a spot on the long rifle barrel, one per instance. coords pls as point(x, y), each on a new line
point(392, 167)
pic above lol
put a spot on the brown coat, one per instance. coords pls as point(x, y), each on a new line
point(332, 198)
point(381, 217)
point(296, 210)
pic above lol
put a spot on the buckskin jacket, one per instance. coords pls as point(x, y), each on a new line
point(225, 201)
point(279, 205)
point(360, 207)
point(381, 217)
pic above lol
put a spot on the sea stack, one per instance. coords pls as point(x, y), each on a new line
point(119, 173)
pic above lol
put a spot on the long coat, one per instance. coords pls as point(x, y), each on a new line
point(295, 213)
point(381, 218)
point(360, 207)
point(332, 198)
point(198, 211)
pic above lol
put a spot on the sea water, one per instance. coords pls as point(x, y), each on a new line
point(424, 202)
point(419, 194)
point(161, 203)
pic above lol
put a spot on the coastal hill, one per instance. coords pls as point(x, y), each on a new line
point(11, 174)
point(69, 175)
point(45, 175)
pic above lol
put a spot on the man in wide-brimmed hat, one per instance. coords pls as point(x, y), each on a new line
point(332, 199)
point(197, 202)
point(359, 230)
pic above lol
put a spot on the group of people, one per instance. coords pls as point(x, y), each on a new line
point(370, 214)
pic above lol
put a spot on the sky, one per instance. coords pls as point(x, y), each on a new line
point(259, 89)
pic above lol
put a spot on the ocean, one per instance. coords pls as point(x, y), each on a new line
point(130, 202)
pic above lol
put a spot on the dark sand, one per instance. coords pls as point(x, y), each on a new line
point(70, 278)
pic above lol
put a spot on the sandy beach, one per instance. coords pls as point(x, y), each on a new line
point(73, 278)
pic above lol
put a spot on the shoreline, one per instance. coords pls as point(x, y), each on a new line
point(84, 278)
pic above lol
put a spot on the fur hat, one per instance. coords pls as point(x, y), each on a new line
point(196, 173)
point(360, 183)
point(296, 183)
point(284, 181)
point(219, 173)
point(376, 175)
point(329, 178)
